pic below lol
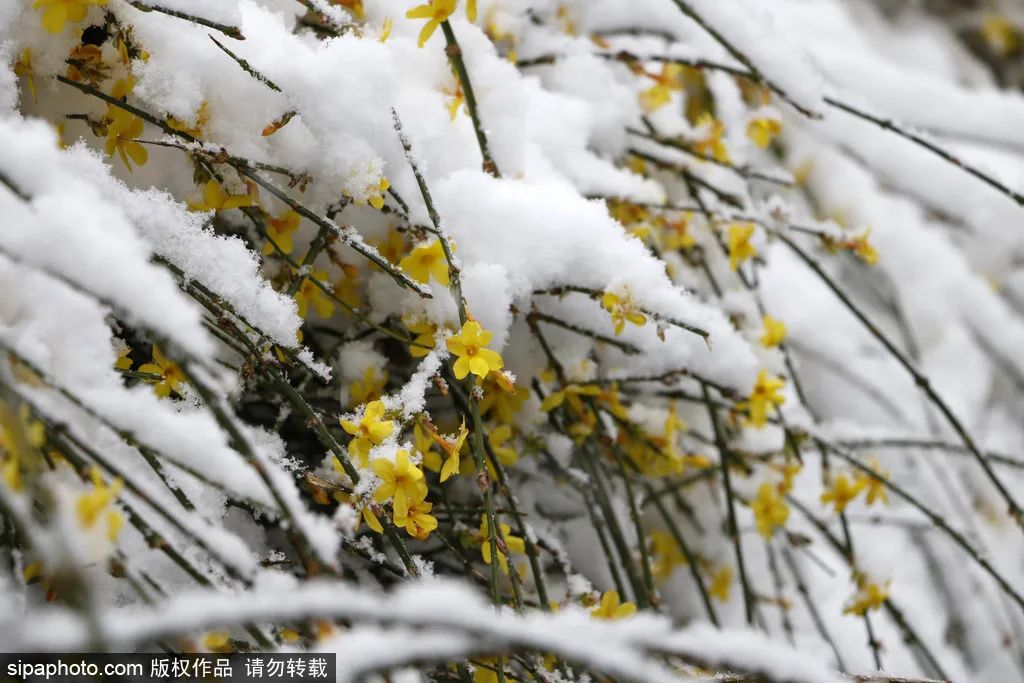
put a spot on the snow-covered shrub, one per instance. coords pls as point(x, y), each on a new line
point(492, 340)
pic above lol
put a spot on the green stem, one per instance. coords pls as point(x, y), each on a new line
point(724, 457)
point(454, 52)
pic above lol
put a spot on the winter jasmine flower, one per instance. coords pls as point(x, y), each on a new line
point(774, 332)
point(612, 608)
point(434, 11)
point(763, 130)
point(721, 581)
point(623, 309)
point(368, 388)
point(869, 596)
point(712, 145)
point(427, 260)
point(280, 231)
point(309, 293)
point(122, 131)
point(764, 397)
point(170, 375)
point(514, 544)
point(665, 554)
point(863, 248)
point(738, 243)
point(842, 492)
point(401, 482)
point(418, 522)
point(874, 486)
point(769, 508)
point(469, 345)
point(665, 83)
point(371, 430)
point(98, 503)
point(56, 13)
point(216, 199)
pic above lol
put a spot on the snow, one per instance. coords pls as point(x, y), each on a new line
point(444, 607)
point(596, 192)
point(771, 52)
point(99, 252)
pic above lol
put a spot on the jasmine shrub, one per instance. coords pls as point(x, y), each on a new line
point(511, 340)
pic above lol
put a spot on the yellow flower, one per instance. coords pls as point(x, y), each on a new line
point(568, 25)
point(124, 128)
point(401, 481)
point(514, 544)
point(502, 399)
point(23, 68)
point(498, 437)
point(665, 83)
point(842, 492)
point(280, 230)
point(348, 288)
point(485, 670)
point(32, 571)
point(457, 99)
point(122, 51)
point(1001, 35)
point(870, 596)
point(368, 388)
point(469, 345)
point(762, 130)
point(376, 199)
point(59, 12)
point(712, 146)
point(216, 199)
point(308, 293)
point(874, 486)
point(764, 397)
point(419, 522)
point(774, 332)
point(426, 436)
point(611, 608)
point(391, 247)
point(570, 394)
point(371, 519)
point(863, 248)
point(789, 472)
point(740, 248)
point(98, 503)
point(18, 433)
point(196, 130)
point(425, 332)
point(720, 583)
point(217, 641)
point(676, 234)
point(622, 309)
point(451, 447)
point(673, 423)
point(665, 553)
point(434, 11)
point(354, 6)
point(426, 260)
point(170, 375)
point(124, 361)
point(770, 510)
point(11, 473)
point(85, 63)
point(370, 431)
point(276, 125)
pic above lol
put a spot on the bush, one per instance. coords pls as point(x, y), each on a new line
point(515, 340)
